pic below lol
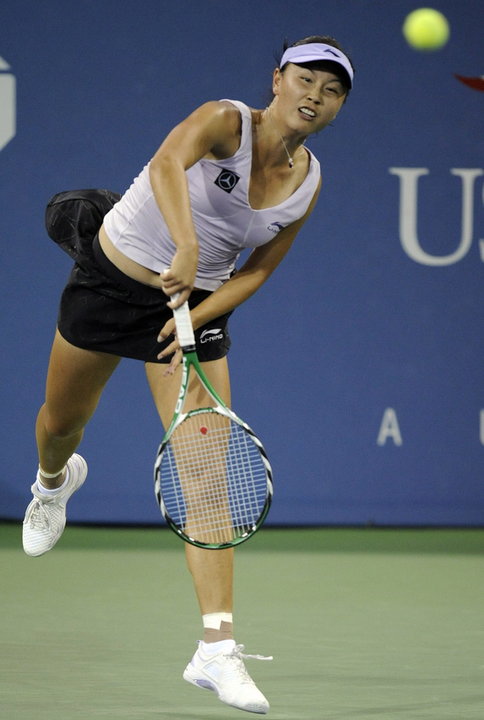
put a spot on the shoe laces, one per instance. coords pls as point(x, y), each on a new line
point(238, 656)
point(39, 517)
point(237, 652)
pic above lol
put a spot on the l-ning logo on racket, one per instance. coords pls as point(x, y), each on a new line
point(211, 335)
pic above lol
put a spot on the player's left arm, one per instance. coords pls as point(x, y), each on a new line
point(259, 266)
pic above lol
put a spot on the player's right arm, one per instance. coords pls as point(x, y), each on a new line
point(212, 129)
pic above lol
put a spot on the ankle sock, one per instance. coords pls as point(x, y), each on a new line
point(51, 491)
point(213, 648)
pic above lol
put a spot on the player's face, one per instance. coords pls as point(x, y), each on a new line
point(308, 100)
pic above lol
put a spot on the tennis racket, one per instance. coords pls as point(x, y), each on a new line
point(213, 480)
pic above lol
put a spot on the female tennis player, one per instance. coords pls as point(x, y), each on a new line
point(228, 177)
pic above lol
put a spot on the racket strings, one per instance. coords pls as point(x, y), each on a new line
point(213, 478)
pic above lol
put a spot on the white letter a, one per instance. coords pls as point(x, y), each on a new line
point(389, 428)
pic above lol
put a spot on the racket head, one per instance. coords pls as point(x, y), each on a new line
point(213, 480)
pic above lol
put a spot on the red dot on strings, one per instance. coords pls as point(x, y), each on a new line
point(204, 430)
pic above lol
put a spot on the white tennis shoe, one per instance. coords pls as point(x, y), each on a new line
point(224, 672)
point(45, 517)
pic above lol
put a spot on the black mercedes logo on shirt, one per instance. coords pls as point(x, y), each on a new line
point(227, 180)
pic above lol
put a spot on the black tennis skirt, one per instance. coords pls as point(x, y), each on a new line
point(103, 309)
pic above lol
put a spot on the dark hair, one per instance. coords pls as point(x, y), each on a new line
point(327, 65)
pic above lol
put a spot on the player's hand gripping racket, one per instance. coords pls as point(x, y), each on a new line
point(213, 480)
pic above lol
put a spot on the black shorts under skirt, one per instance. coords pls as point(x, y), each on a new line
point(103, 309)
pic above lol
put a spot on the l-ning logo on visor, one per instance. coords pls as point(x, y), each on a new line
point(227, 180)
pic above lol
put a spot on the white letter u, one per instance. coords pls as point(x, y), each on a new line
point(408, 214)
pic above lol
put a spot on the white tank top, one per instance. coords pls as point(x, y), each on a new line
point(224, 221)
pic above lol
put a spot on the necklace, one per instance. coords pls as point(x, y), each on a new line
point(289, 156)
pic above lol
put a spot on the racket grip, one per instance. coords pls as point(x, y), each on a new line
point(184, 327)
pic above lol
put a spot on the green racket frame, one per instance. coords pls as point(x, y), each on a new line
point(190, 360)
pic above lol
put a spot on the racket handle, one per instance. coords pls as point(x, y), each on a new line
point(184, 327)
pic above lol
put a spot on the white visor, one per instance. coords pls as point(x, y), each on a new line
point(317, 51)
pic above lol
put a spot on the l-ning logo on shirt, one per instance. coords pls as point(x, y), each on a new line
point(227, 180)
point(275, 227)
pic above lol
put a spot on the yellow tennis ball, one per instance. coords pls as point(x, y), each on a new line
point(426, 29)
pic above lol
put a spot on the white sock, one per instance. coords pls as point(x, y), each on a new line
point(215, 647)
point(51, 491)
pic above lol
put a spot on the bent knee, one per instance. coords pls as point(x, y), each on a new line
point(61, 424)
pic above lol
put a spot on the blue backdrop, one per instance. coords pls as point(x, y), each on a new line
point(360, 363)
